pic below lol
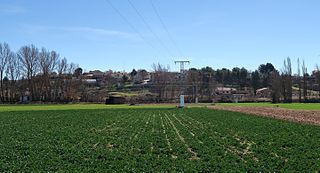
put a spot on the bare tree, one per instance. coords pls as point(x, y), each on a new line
point(161, 79)
point(48, 62)
point(193, 77)
point(62, 67)
point(71, 86)
point(287, 80)
point(305, 81)
point(5, 54)
point(207, 83)
point(29, 57)
point(14, 73)
point(276, 86)
point(317, 74)
point(299, 79)
point(42, 73)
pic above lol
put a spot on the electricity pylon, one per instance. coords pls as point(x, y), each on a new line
point(182, 63)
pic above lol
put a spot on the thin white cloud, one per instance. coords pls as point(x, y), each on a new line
point(85, 32)
point(98, 31)
point(6, 9)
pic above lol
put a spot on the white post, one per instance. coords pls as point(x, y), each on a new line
point(181, 101)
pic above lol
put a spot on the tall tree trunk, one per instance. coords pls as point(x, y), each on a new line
point(1, 87)
point(300, 93)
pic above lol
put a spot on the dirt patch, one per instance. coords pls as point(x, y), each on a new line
point(301, 116)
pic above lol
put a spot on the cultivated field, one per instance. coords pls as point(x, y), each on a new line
point(294, 106)
point(296, 112)
point(104, 138)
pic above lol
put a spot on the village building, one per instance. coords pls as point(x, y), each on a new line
point(263, 93)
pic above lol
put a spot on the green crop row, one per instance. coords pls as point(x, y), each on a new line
point(136, 140)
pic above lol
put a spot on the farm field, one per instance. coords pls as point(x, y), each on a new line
point(55, 107)
point(295, 106)
point(121, 138)
point(84, 106)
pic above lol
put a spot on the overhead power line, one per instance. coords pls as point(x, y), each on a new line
point(166, 28)
point(132, 26)
point(149, 28)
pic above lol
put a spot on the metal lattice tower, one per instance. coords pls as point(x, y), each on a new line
point(182, 63)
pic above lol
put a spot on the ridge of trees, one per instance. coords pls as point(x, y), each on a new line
point(39, 73)
point(45, 76)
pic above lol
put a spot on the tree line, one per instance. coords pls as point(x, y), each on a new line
point(284, 83)
point(37, 73)
point(45, 76)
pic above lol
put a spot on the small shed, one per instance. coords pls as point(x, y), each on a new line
point(115, 100)
point(25, 98)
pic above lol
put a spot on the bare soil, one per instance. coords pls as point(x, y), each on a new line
point(300, 116)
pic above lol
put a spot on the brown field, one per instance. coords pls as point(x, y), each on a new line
point(301, 116)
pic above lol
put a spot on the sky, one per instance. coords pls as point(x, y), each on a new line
point(126, 34)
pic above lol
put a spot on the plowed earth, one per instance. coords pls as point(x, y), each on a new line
point(301, 116)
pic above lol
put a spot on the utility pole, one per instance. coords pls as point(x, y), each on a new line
point(182, 63)
point(182, 79)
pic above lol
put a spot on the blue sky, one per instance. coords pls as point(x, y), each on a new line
point(216, 33)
